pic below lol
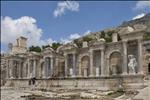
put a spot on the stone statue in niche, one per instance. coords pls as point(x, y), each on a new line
point(71, 72)
point(97, 71)
point(132, 64)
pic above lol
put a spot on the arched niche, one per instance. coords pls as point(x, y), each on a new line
point(85, 66)
point(115, 63)
point(15, 69)
point(47, 66)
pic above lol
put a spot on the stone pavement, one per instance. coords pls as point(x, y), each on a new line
point(144, 94)
point(15, 94)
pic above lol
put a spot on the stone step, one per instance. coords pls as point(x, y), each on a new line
point(135, 86)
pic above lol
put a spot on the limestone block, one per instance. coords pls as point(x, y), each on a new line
point(84, 44)
point(89, 96)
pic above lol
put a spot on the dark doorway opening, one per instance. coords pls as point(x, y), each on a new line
point(149, 68)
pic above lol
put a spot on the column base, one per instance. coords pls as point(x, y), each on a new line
point(132, 73)
point(102, 75)
point(49, 77)
point(124, 73)
point(141, 72)
point(73, 76)
point(11, 78)
point(79, 76)
point(91, 75)
point(97, 75)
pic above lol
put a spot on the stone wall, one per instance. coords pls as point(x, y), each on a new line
point(101, 83)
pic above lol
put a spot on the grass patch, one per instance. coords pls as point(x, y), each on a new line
point(117, 93)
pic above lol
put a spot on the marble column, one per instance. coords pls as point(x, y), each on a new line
point(28, 62)
point(91, 63)
point(11, 68)
point(74, 64)
point(102, 63)
point(8, 67)
point(107, 72)
point(48, 69)
point(52, 65)
point(45, 68)
point(57, 66)
point(66, 64)
point(34, 68)
point(140, 57)
point(19, 69)
point(80, 70)
point(125, 62)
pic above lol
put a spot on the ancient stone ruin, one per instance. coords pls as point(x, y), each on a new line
point(97, 64)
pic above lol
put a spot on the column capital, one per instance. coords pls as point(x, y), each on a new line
point(65, 54)
point(124, 41)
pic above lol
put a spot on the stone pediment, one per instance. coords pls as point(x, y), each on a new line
point(98, 42)
point(139, 27)
point(130, 30)
point(126, 30)
point(48, 50)
point(70, 46)
point(32, 54)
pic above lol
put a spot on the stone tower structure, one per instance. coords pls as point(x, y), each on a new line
point(19, 47)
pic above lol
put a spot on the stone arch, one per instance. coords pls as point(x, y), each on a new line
point(59, 49)
point(47, 66)
point(115, 63)
point(85, 66)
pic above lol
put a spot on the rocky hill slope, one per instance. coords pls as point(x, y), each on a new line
point(107, 33)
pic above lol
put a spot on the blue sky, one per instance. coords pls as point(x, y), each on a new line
point(63, 21)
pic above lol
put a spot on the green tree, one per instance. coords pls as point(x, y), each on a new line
point(78, 43)
point(55, 45)
point(108, 36)
point(102, 34)
point(87, 39)
point(45, 46)
point(35, 48)
point(146, 36)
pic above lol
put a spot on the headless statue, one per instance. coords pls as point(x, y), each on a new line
point(132, 64)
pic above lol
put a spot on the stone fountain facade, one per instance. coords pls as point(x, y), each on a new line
point(97, 64)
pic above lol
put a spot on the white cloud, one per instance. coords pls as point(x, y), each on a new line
point(142, 4)
point(73, 36)
point(65, 41)
point(24, 26)
point(138, 16)
point(62, 7)
point(70, 38)
point(87, 32)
